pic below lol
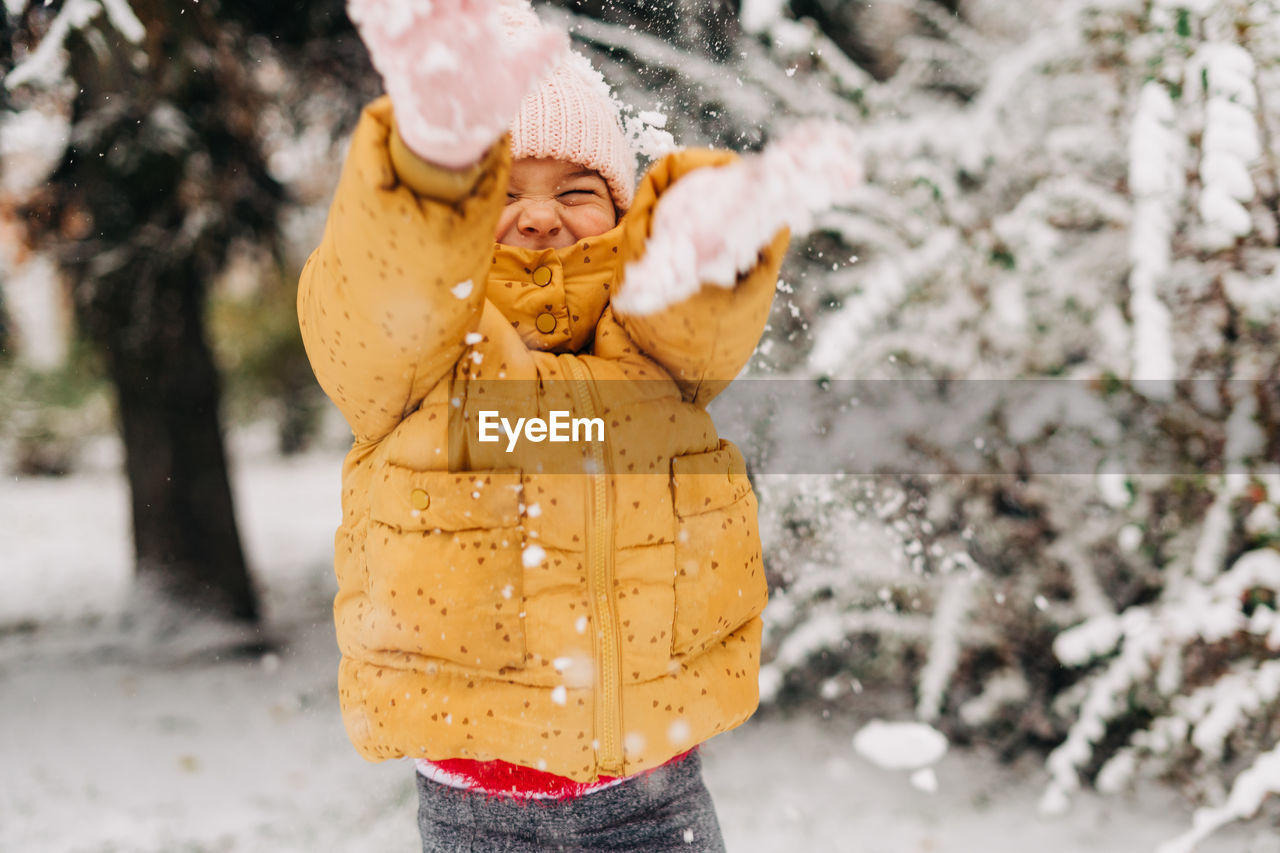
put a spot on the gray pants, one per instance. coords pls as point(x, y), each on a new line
point(668, 809)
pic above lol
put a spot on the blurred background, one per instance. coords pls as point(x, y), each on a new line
point(1082, 191)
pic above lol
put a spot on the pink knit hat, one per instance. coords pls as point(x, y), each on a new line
point(572, 115)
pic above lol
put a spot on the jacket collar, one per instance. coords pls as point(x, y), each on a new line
point(570, 286)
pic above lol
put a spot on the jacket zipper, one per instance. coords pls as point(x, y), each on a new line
point(599, 544)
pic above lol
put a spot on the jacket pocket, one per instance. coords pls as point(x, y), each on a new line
point(719, 573)
point(444, 561)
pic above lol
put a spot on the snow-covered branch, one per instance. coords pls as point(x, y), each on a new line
point(1248, 791)
point(1155, 179)
point(46, 63)
point(1230, 143)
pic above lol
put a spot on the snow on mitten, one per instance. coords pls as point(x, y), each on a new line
point(456, 70)
point(710, 226)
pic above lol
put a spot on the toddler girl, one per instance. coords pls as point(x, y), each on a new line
point(548, 627)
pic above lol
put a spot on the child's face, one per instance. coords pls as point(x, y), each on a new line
point(552, 204)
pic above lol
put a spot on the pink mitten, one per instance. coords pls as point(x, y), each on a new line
point(710, 226)
point(456, 70)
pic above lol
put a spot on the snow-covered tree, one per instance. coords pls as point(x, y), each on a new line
point(1084, 192)
point(163, 171)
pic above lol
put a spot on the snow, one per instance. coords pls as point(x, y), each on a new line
point(32, 143)
point(1257, 298)
point(652, 117)
point(1215, 534)
point(1263, 519)
point(533, 555)
point(1005, 688)
point(645, 133)
point(44, 65)
point(944, 647)
point(1245, 436)
point(1091, 639)
point(47, 566)
point(1231, 129)
point(1247, 793)
point(1234, 697)
point(884, 284)
point(1116, 775)
point(759, 16)
point(1230, 142)
point(395, 18)
point(1155, 156)
point(900, 746)
point(1228, 173)
point(154, 749)
point(1219, 208)
point(1204, 607)
point(121, 16)
point(462, 289)
point(1129, 539)
point(39, 311)
point(925, 780)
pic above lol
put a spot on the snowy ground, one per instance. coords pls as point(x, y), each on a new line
point(113, 742)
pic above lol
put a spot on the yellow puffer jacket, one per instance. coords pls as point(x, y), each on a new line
point(585, 608)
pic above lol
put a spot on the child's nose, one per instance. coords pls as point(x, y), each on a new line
point(539, 219)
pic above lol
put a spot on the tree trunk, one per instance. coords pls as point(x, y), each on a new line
point(163, 172)
point(184, 528)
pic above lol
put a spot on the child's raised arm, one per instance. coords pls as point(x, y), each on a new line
point(456, 70)
point(708, 234)
point(398, 280)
